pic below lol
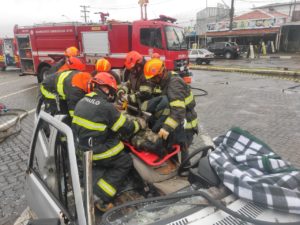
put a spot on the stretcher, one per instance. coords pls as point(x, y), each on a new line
point(152, 159)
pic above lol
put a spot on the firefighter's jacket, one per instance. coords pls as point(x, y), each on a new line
point(97, 124)
point(67, 85)
point(181, 104)
point(137, 88)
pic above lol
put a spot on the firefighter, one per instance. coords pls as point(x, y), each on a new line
point(62, 64)
point(137, 89)
point(103, 65)
point(175, 105)
point(97, 125)
point(63, 90)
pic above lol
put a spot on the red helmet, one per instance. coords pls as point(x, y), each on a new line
point(81, 80)
point(71, 51)
point(75, 63)
point(102, 65)
point(132, 59)
point(105, 79)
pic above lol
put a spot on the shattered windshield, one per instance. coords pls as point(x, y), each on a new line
point(175, 38)
point(155, 212)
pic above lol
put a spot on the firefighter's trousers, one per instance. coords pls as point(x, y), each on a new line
point(116, 168)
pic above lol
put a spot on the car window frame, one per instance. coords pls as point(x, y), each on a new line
point(80, 212)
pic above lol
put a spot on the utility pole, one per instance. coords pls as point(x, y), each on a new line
point(143, 3)
point(293, 14)
point(231, 15)
point(85, 12)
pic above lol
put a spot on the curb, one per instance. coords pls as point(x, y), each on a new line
point(275, 57)
point(288, 73)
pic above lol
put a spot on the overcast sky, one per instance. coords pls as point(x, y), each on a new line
point(29, 12)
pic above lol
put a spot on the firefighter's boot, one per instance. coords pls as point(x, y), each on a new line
point(101, 205)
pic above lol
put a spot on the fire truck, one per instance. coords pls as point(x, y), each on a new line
point(8, 55)
point(40, 46)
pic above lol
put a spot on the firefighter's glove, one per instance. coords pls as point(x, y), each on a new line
point(163, 133)
point(142, 123)
point(121, 94)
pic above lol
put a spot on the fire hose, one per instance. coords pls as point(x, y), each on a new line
point(12, 125)
point(204, 92)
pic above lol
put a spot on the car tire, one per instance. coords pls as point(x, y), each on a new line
point(228, 55)
point(3, 68)
point(207, 62)
point(43, 73)
point(198, 61)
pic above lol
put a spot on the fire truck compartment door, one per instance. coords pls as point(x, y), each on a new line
point(95, 43)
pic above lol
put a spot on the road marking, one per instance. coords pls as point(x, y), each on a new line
point(17, 92)
point(7, 82)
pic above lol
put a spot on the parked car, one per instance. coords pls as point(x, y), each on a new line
point(201, 55)
point(229, 50)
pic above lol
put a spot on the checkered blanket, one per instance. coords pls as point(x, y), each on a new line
point(251, 170)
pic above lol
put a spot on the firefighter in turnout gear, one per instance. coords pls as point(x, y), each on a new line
point(63, 90)
point(63, 64)
point(137, 89)
point(175, 105)
point(103, 65)
point(96, 125)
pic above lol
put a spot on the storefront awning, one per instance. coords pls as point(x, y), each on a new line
point(238, 33)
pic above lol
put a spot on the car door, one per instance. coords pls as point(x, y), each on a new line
point(219, 48)
point(52, 179)
point(193, 55)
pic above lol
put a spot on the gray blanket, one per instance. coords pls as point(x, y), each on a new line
point(251, 170)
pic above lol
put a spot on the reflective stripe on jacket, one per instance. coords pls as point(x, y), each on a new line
point(181, 103)
point(96, 124)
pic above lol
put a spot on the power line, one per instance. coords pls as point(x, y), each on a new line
point(85, 12)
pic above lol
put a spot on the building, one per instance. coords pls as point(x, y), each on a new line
point(289, 37)
point(203, 17)
point(291, 8)
point(210, 15)
point(252, 27)
point(289, 34)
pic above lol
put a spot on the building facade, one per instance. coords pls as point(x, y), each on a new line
point(254, 26)
point(210, 15)
point(292, 9)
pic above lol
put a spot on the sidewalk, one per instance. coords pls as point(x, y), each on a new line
point(287, 65)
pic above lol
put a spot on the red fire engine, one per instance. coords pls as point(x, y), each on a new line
point(40, 45)
point(8, 55)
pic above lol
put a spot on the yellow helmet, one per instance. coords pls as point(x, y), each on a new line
point(71, 51)
point(154, 67)
point(102, 65)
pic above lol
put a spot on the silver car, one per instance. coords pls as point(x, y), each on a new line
point(201, 55)
point(59, 189)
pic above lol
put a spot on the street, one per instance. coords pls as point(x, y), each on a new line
point(288, 63)
point(263, 106)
